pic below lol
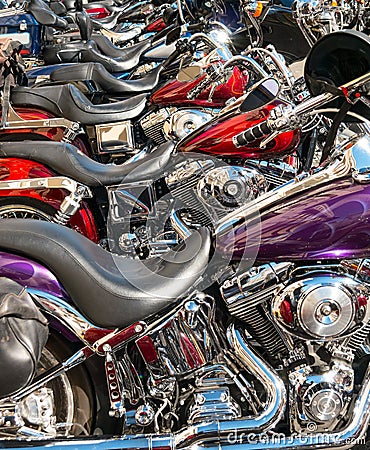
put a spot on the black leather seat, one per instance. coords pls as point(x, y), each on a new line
point(66, 160)
point(77, 51)
point(91, 53)
point(114, 59)
point(104, 81)
point(106, 47)
point(67, 101)
point(104, 44)
point(111, 291)
point(45, 15)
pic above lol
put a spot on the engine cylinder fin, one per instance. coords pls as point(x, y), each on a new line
point(264, 332)
point(258, 325)
point(238, 307)
point(156, 133)
point(186, 193)
point(248, 295)
point(358, 338)
point(273, 180)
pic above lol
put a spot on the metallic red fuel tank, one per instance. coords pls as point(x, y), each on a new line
point(175, 92)
point(215, 137)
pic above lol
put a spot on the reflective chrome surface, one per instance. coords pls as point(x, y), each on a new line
point(322, 306)
point(187, 171)
point(322, 394)
point(182, 343)
point(184, 122)
point(230, 186)
point(319, 17)
point(45, 183)
point(211, 404)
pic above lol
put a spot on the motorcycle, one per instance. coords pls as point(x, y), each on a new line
point(294, 26)
point(260, 342)
point(129, 208)
point(119, 130)
point(48, 37)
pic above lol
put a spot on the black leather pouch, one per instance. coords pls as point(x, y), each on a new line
point(23, 335)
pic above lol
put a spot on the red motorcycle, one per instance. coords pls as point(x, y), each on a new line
point(131, 208)
point(138, 208)
point(121, 129)
point(61, 112)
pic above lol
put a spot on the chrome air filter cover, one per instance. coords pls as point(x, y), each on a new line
point(323, 306)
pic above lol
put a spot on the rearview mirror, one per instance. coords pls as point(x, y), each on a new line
point(189, 73)
point(261, 93)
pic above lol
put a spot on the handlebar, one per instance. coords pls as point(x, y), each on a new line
point(285, 118)
point(182, 47)
point(213, 73)
point(252, 134)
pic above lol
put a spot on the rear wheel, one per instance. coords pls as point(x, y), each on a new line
point(65, 405)
point(25, 208)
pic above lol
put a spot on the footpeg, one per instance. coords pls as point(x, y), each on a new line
point(114, 382)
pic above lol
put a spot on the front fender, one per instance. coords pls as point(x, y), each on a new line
point(20, 169)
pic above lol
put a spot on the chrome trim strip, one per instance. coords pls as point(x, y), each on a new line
point(64, 312)
point(42, 183)
point(14, 121)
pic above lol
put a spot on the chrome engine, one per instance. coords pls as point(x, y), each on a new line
point(322, 17)
point(188, 372)
point(202, 190)
point(211, 190)
point(311, 323)
point(230, 186)
point(173, 123)
point(323, 306)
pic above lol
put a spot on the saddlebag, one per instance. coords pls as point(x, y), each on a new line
point(23, 335)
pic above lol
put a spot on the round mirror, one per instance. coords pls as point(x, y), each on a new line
point(336, 59)
point(261, 93)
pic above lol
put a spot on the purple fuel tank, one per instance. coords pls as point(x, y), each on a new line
point(30, 274)
point(325, 216)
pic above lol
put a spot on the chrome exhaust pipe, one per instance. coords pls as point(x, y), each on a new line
point(350, 436)
point(231, 435)
point(178, 225)
point(203, 432)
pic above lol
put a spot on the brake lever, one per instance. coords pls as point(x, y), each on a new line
point(269, 138)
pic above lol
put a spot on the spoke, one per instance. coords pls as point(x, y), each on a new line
point(22, 212)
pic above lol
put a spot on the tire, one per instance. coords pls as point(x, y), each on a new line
point(73, 396)
point(25, 208)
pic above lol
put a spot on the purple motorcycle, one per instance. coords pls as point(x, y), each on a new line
point(254, 337)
